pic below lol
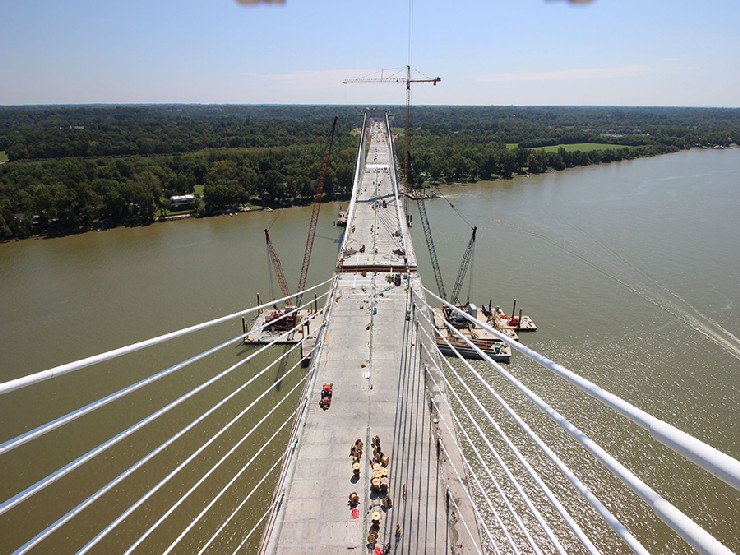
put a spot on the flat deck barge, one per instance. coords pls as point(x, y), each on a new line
point(484, 340)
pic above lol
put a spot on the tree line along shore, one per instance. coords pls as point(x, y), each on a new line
point(66, 169)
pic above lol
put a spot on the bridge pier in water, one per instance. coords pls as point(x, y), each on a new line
point(371, 352)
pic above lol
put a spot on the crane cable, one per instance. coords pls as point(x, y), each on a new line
point(455, 209)
point(269, 227)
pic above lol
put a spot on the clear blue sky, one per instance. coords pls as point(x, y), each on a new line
point(521, 52)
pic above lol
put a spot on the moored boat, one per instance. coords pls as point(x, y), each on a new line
point(484, 340)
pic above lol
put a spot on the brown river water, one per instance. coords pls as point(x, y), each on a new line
point(631, 271)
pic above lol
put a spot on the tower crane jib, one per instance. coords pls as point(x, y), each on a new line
point(408, 80)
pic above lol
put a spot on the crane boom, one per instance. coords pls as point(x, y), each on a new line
point(275, 259)
point(408, 80)
point(318, 194)
point(430, 245)
point(467, 257)
point(433, 80)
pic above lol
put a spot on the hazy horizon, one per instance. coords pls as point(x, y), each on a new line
point(522, 53)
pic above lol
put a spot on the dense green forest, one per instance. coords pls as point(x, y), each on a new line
point(74, 168)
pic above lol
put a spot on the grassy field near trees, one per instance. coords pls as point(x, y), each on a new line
point(582, 147)
point(74, 168)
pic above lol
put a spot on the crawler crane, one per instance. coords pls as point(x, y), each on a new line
point(289, 321)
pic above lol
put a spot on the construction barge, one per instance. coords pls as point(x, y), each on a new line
point(483, 339)
point(508, 323)
point(271, 326)
point(487, 342)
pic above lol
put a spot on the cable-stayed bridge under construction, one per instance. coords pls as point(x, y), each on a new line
point(359, 436)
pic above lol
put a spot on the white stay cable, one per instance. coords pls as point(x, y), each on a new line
point(259, 522)
point(187, 461)
point(225, 523)
point(689, 530)
point(82, 411)
point(585, 492)
point(94, 497)
point(203, 479)
point(532, 472)
point(69, 467)
point(18, 383)
point(472, 503)
point(495, 514)
point(714, 461)
point(483, 463)
point(472, 475)
point(477, 514)
point(224, 489)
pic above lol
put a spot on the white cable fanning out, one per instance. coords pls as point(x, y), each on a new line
point(577, 434)
point(467, 464)
point(94, 497)
point(225, 523)
point(295, 436)
point(689, 530)
point(462, 518)
point(531, 471)
point(18, 383)
point(495, 513)
point(187, 461)
point(480, 487)
point(259, 522)
point(500, 491)
point(467, 494)
point(203, 479)
point(602, 510)
point(714, 461)
point(74, 415)
point(222, 491)
point(50, 479)
point(478, 516)
point(523, 494)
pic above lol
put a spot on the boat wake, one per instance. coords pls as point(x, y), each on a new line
point(673, 303)
point(654, 292)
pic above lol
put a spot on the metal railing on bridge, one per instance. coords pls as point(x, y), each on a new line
point(249, 437)
point(471, 414)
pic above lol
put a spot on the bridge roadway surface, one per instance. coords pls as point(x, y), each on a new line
point(372, 355)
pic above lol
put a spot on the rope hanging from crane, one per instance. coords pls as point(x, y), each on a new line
point(456, 210)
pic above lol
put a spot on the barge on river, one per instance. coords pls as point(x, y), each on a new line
point(484, 340)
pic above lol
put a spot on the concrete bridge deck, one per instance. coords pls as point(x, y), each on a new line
point(371, 353)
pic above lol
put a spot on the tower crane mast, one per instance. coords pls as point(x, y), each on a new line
point(395, 79)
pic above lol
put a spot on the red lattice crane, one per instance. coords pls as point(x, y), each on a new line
point(398, 79)
point(277, 265)
point(318, 196)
